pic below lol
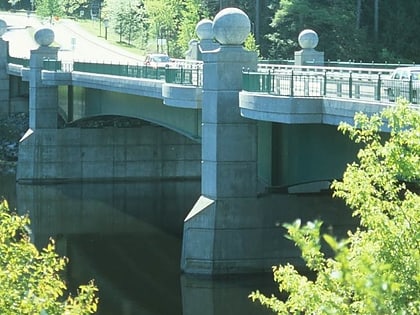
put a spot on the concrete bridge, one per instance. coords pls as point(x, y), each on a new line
point(264, 156)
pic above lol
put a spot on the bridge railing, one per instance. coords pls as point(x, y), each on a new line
point(185, 75)
point(24, 62)
point(126, 70)
point(52, 65)
point(342, 64)
point(360, 83)
point(284, 80)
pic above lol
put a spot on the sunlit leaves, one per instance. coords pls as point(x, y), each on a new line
point(376, 269)
point(49, 8)
point(30, 280)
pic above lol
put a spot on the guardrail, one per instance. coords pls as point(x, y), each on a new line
point(185, 76)
point(24, 62)
point(125, 70)
point(342, 64)
point(182, 72)
point(284, 80)
point(368, 84)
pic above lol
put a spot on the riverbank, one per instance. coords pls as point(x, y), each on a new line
point(12, 128)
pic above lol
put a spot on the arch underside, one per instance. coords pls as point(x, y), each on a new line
point(87, 107)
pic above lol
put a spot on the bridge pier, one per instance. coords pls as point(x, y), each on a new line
point(50, 153)
point(43, 99)
point(4, 77)
point(221, 233)
point(236, 225)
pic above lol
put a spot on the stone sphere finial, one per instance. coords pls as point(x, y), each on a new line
point(308, 39)
point(231, 26)
point(3, 27)
point(44, 36)
point(204, 29)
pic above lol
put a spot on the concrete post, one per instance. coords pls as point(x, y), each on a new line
point(43, 100)
point(308, 56)
point(204, 30)
point(219, 232)
point(4, 77)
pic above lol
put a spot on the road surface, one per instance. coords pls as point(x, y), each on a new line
point(74, 42)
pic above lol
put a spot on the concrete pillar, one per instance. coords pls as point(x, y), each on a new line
point(43, 99)
point(34, 158)
point(4, 77)
point(308, 56)
point(204, 30)
point(220, 231)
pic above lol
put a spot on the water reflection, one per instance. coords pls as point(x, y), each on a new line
point(8, 189)
point(127, 236)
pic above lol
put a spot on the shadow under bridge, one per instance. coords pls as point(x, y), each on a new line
point(83, 103)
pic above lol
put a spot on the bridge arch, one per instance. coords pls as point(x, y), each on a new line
point(79, 103)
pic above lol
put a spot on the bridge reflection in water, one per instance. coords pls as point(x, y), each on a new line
point(127, 236)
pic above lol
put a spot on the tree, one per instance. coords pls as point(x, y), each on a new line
point(128, 18)
point(191, 14)
point(333, 20)
point(250, 44)
point(164, 23)
point(49, 8)
point(375, 270)
point(73, 7)
point(30, 280)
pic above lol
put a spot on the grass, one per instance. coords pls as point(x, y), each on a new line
point(113, 38)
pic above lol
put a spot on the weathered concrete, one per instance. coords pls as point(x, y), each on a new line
point(308, 40)
point(304, 110)
point(43, 99)
point(47, 153)
point(73, 154)
point(182, 96)
point(225, 220)
point(4, 78)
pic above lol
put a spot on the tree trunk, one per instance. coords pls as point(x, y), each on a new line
point(358, 13)
point(376, 20)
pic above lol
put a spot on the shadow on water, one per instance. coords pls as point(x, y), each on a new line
point(128, 237)
point(8, 189)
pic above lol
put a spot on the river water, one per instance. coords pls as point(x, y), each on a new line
point(127, 236)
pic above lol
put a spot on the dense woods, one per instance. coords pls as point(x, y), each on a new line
point(368, 30)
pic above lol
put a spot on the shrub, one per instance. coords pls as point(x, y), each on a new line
point(376, 269)
point(30, 281)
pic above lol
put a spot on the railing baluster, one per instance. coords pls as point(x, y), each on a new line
point(410, 89)
point(378, 88)
point(292, 84)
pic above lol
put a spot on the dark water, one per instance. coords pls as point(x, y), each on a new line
point(127, 237)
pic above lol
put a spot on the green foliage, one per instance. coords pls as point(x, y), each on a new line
point(49, 8)
point(191, 15)
point(73, 7)
point(128, 19)
point(250, 44)
point(30, 281)
point(334, 24)
point(376, 269)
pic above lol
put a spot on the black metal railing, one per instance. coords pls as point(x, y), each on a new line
point(125, 70)
point(184, 76)
point(293, 83)
point(285, 80)
point(24, 62)
point(52, 65)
